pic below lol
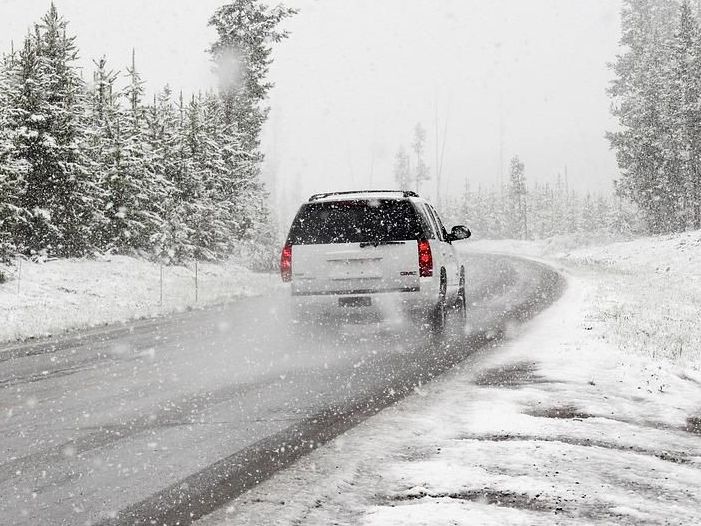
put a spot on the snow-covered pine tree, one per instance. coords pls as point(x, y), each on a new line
point(680, 118)
point(47, 99)
point(693, 128)
point(573, 213)
point(466, 208)
point(476, 219)
point(533, 207)
point(497, 215)
point(588, 222)
point(100, 116)
point(207, 215)
point(11, 167)
point(246, 30)
point(402, 173)
point(203, 215)
point(684, 116)
point(603, 211)
point(547, 212)
point(418, 145)
point(166, 144)
point(131, 193)
point(646, 154)
point(237, 206)
point(517, 204)
point(146, 190)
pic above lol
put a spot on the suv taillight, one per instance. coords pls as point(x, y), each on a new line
point(425, 259)
point(286, 263)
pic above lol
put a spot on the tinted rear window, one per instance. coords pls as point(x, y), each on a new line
point(354, 222)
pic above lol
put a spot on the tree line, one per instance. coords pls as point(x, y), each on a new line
point(520, 210)
point(656, 97)
point(95, 166)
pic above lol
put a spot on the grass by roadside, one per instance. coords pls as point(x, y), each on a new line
point(55, 296)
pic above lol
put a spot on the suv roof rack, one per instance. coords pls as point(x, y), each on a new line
point(404, 193)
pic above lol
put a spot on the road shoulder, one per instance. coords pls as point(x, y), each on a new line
point(76, 297)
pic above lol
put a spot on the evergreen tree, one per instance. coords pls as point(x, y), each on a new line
point(418, 145)
point(683, 116)
point(131, 193)
point(11, 167)
point(165, 143)
point(47, 102)
point(680, 118)
point(143, 189)
point(548, 213)
point(517, 205)
point(657, 96)
point(402, 169)
point(246, 31)
point(100, 115)
point(588, 222)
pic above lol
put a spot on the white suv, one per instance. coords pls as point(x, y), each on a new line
point(373, 251)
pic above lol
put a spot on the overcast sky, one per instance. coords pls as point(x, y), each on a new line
point(523, 77)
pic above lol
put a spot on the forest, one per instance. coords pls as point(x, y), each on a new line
point(523, 210)
point(94, 165)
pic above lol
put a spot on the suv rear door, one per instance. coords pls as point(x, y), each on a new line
point(355, 247)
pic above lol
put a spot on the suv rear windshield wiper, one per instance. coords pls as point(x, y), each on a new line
point(378, 242)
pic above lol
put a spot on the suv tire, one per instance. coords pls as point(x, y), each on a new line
point(461, 302)
point(439, 314)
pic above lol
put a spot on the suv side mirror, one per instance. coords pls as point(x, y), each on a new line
point(459, 232)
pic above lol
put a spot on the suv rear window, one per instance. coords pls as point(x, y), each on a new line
point(355, 222)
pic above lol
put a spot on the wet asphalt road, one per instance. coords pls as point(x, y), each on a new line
point(166, 420)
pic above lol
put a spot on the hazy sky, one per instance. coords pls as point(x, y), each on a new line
point(510, 76)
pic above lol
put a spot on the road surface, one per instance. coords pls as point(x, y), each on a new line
point(165, 420)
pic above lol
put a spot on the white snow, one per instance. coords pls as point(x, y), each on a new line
point(39, 299)
point(647, 290)
point(579, 419)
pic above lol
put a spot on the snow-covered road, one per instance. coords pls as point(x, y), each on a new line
point(582, 416)
point(169, 419)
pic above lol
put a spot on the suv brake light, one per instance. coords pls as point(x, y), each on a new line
point(286, 263)
point(425, 259)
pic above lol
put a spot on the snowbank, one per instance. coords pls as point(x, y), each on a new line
point(39, 299)
point(552, 246)
point(648, 290)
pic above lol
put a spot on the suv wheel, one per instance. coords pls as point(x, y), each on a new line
point(461, 304)
point(439, 315)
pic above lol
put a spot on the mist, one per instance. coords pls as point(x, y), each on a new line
point(487, 80)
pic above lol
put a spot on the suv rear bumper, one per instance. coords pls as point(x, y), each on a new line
point(385, 303)
point(360, 292)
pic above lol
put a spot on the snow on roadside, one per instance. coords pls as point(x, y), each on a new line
point(564, 424)
point(51, 297)
point(648, 295)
